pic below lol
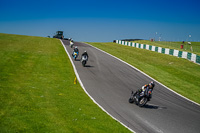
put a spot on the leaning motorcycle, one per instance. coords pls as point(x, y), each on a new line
point(142, 98)
point(75, 55)
point(71, 44)
point(84, 60)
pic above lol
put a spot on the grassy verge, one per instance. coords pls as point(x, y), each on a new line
point(178, 74)
point(37, 93)
point(174, 45)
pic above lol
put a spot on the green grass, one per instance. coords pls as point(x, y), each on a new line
point(37, 91)
point(178, 74)
point(174, 45)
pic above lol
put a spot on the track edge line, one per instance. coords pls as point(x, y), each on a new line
point(145, 74)
point(77, 75)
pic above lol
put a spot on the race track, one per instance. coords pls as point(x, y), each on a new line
point(110, 82)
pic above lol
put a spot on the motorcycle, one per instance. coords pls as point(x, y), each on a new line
point(142, 98)
point(84, 60)
point(71, 44)
point(75, 55)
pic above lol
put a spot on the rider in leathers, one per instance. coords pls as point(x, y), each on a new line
point(75, 50)
point(146, 86)
point(85, 54)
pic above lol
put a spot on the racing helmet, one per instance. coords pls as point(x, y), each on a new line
point(151, 84)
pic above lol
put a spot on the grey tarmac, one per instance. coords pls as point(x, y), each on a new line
point(110, 82)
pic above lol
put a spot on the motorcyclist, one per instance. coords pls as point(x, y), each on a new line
point(85, 54)
point(145, 87)
point(71, 43)
point(75, 50)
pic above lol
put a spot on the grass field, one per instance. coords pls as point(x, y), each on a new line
point(37, 91)
point(178, 74)
point(174, 45)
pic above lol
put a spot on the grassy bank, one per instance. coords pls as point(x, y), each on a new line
point(178, 74)
point(37, 93)
point(174, 45)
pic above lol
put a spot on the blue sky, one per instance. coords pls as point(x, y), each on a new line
point(103, 20)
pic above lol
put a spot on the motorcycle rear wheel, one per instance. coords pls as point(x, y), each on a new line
point(142, 102)
point(83, 63)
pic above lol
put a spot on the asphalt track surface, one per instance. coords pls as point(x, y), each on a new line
point(110, 82)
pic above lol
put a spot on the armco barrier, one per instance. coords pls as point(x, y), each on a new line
point(182, 54)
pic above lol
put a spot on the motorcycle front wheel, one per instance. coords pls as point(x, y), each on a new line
point(131, 100)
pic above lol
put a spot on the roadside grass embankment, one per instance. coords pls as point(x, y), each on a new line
point(174, 45)
point(37, 91)
point(178, 74)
